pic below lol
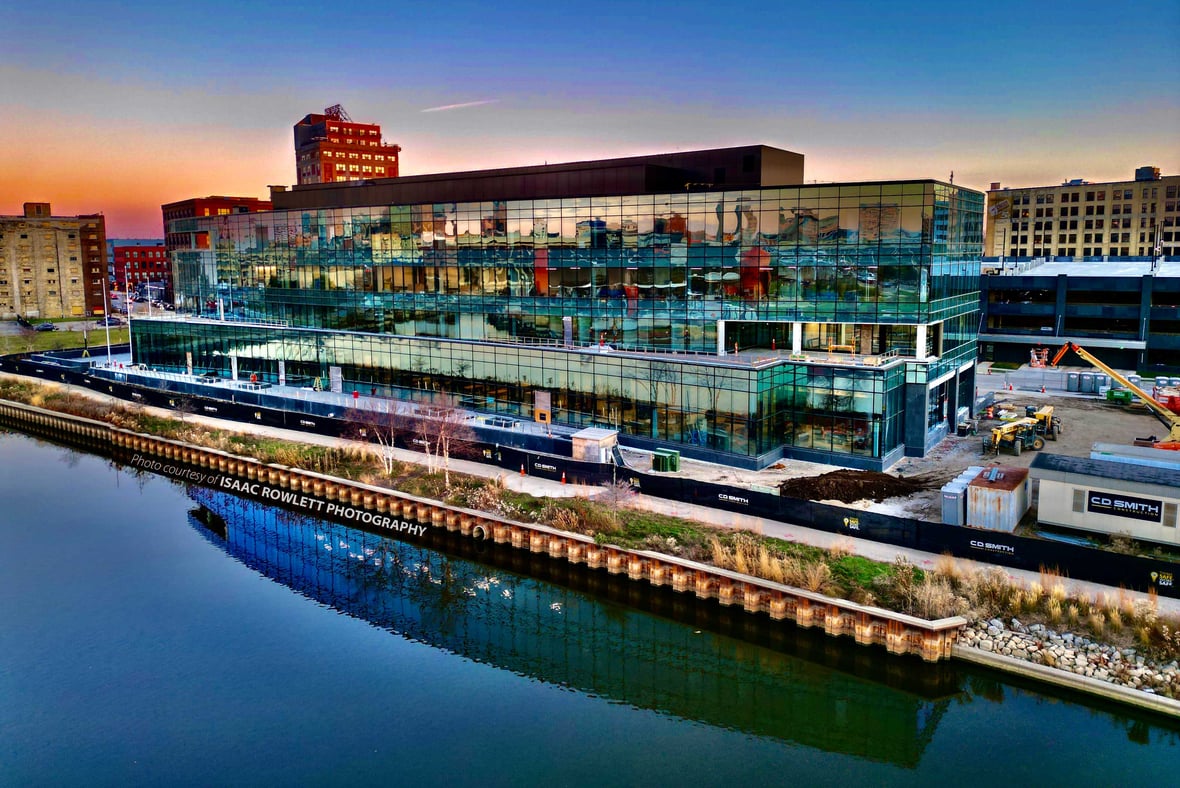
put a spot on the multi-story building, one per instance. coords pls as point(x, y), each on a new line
point(52, 266)
point(331, 147)
point(1126, 311)
point(181, 231)
point(1082, 220)
point(113, 242)
point(702, 300)
point(143, 265)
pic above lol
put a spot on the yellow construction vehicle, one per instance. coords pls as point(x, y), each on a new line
point(1047, 424)
point(1169, 419)
point(1015, 436)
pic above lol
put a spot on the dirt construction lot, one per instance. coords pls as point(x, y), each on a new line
point(1086, 420)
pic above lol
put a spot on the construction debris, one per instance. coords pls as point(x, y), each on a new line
point(852, 485)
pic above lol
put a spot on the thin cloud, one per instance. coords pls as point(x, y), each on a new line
point(464, 105)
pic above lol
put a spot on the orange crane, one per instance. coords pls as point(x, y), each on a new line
point(1164, 414)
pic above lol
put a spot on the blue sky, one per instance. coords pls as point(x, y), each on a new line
point(180, 100)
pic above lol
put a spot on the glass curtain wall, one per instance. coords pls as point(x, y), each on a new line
point(857, 266)
point(650, 271)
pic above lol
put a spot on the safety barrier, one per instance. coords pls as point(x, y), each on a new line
point(379, 509)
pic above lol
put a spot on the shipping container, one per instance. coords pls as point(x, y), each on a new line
point(998, 498)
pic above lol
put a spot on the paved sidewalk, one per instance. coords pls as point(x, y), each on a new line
point(547, 488)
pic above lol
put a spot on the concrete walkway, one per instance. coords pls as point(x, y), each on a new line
point(545, 488)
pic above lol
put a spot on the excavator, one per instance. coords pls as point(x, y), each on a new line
point(1170, 419)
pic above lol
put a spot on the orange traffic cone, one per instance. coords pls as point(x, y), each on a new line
point(1010, 387)
point(522, 469)
point(1042, 388)
point(563, 477)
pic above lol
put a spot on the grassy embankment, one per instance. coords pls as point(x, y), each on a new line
point(610, 518)
point(29, 341)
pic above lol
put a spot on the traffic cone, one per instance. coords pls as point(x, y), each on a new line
point(773, 345)
point(1010, 387)
point(522, 469)
point(1042, 388)
point(563, 477)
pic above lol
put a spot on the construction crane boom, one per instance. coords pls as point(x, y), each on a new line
point(1164, 414)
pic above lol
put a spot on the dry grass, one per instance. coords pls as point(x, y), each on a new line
point(817, 578)
point(842, 548)
point(946, 565)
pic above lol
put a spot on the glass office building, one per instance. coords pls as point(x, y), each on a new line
point(826, 322)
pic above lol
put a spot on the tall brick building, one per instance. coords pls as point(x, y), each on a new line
point(51, 266)
point(330, 148)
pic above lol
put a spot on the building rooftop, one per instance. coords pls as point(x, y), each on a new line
point(749, 166)
point(1103, 469)
point(1114, 267)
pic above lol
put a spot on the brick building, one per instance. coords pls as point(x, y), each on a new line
point(51, 266)
point(331, 148)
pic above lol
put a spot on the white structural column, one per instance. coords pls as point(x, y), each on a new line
point(796, 338)
point(721, 337)
point(920, 341)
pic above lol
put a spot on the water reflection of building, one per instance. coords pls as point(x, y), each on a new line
point(567, 637)
point(682, 257)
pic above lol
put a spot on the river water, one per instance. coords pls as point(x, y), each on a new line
point(156, 633)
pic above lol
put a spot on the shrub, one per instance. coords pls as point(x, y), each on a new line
point(817, 578)
point(935, 598)
point(947, 566)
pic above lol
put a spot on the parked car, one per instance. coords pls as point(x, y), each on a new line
point(111, 320)
point(45, 327)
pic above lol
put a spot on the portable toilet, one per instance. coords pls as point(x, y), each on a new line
point(1071, 381)
point(1086, 383)
point(954, 502)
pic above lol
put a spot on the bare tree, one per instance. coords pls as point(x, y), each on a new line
point(381, 422)
point(450, 427)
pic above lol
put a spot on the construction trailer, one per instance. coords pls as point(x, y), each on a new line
point(1100, 496)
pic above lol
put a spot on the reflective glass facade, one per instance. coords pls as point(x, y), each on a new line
point(836, 298)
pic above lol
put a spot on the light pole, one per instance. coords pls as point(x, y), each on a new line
point(130, 310)
point(106, 316)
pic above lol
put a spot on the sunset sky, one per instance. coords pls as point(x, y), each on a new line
point(119, 107)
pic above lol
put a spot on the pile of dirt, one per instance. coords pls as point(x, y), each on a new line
point(851, 485)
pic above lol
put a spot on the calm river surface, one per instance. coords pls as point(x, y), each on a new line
point(156, 633)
